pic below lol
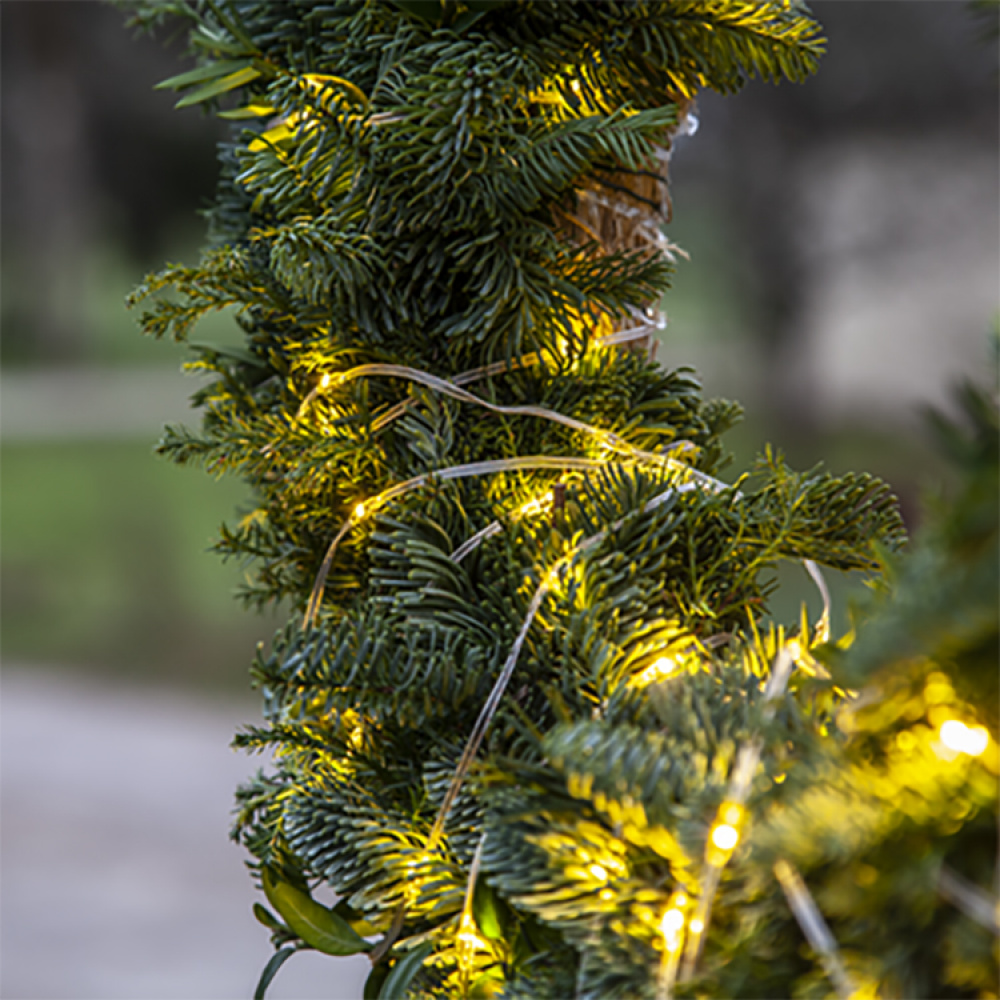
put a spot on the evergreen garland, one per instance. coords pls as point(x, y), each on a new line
point(530, 712)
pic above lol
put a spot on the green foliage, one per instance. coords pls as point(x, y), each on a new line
point(899, 833)
point(528, 676)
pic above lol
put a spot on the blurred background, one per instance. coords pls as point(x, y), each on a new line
point(844, 244)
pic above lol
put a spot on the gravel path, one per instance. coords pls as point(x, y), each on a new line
point(118, 880)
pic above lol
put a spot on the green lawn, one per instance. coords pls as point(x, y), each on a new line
point(104, 564)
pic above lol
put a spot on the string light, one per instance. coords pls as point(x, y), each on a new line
point(659, 670)
point(536, 505)
point(960, 738)
point(468, 939)
point(725, 834)
point(725, 837)
point(599, 872)
point(670, 927)
point(359, 511)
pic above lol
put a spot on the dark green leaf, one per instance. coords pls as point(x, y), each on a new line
point(267, 918)
point(374, 982)
point(276, 961)
point(404, 971)
point(317, 925)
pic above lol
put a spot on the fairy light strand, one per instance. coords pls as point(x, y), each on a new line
point(467, 938)
point(823, 626)
point(515, 464)
point(489, 709)
point(731, 812)
point(672, 925)
point(804, 908)
point(724, 835)
point(608, 438)
point(975, 903)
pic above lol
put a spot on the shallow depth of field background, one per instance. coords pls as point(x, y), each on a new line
point(843, 272)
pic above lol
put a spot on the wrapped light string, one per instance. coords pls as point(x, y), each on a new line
point(672, 926)
point(804, 908)
point(468, 940)
point(975, 903)
point(607, 438)
point(328, 379)
point(539, 505)
point(519, 463)
point(724, 835)
point(650, 329)
point(489, 709)
point(823, 625)
point(644, 223)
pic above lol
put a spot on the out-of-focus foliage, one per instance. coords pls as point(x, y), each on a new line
point(898, 831)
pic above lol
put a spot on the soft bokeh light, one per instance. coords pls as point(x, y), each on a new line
point(725, 837)
point(971, 740)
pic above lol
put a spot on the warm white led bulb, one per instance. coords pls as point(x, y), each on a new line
point(665, 666)
point(672, 921)
point(725, 837)
point(957, 736)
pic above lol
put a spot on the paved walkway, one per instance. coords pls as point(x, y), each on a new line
point(118, 878)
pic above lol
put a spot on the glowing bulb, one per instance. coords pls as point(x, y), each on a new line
point(468, 940)
point(533, 506)
point(957, 736)
point(665, 666)
point(575, 86)
point(599, 872)
point(697, 926)
point(671, 925)
point(324, 382)
point(658, 670)
point(359, 511)
point(680, 899)
point(731, 813)
point(725, 837)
